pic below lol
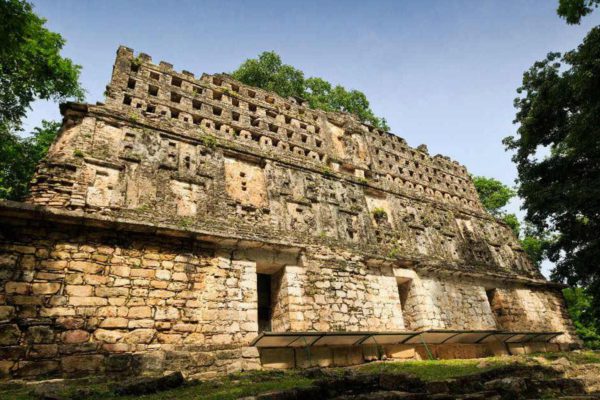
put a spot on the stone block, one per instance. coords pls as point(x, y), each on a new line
point(40, 334)
point(57, 312)
point(120, 270)
point(516, 349)
point(282, 358)
point(28, 369)
point(82, 363)
point(318, 356)
point(88, 301)
point(9, 334)
point(45, 288)
point(399, 351)
point(85, 266)
point(137, 336)
point(75, 336)
point(118, 362)
point(108, 336)
point(103, 291)
point(6, 313)
point(79, 290)
point(344, 356)
point(140, 312)
point(17, 287)
point(114, 322)
point(5, 368)
point(43, 351)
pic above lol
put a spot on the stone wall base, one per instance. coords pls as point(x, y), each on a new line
point(333, 356)
point(193, 363)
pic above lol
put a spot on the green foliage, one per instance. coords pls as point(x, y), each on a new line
point(19, 157)
point(208, 141)
point(31, 64)
point(327, 171)
point(268, 72)
point(579, 304)
point(557, 149)
point(31, 68)
point(512, 221)
point(78, 153)
point(433, 370)
point(394, 252)
point(494, 194)
point(379, 213)
point(574, 10)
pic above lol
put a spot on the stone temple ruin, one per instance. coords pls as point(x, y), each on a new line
point(202, 225)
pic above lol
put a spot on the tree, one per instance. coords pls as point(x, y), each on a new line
point(31, 64)
point(268, 72)
point(19, 157)
point(31, 68)
point(494, 196)
point(579, 305)
point(557, 153)
point(574, 10)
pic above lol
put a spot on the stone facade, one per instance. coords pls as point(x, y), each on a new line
point(154, 216)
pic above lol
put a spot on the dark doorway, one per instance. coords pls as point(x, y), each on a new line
point(404, 291)
point(264, 302)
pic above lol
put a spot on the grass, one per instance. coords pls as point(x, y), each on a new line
point(231, 387)
point(434, 370)
point(234, 386)
point(582, 357)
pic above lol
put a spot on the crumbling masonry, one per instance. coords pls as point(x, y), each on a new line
point(170, 226)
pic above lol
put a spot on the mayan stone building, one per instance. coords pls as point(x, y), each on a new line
point(202, 225)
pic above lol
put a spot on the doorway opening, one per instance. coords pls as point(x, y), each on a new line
point(404, 288)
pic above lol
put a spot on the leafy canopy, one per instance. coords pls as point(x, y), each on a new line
point(268, 72)
point(494, 196)
point(557, 153)
point(30, 63)
point(579, 305)
point(19, 157)
point(574, 10)
point(31, 67)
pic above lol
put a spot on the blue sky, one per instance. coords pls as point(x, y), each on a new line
point(443, 73)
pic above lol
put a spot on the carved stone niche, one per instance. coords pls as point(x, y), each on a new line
point(349, 226)
point(245, 182)
point(300, 217)
point(187, 196)
point(379, 210)
point(170, 153)
point(102, 188)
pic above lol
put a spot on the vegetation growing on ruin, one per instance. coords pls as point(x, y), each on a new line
point(19, 157)
point(32, 68)
point(580, 307)
point(379, 213)
point(208, 141)
point(268, 72)
point(239, 385)
point(494, 196)
point(556, 150)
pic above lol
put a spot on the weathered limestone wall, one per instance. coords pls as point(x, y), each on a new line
point(139, 247)
point(518, 309)
point(75, 300)
point(215, 154)
point(435, 303)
